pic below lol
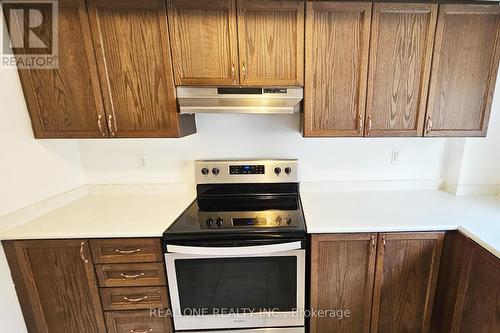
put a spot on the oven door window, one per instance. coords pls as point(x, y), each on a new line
point(238, 285)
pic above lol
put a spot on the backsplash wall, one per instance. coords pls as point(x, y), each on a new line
point(260, 136)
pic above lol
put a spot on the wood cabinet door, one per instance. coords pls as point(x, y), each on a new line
point(56, 285)
point(337, 43)
point(133, 55)
point(464, 70)
point(477, 308)
point(66, 102)
point(402, 39)
point(204, 41)
point(405, 281)
point(342, 272)
point(271, 42)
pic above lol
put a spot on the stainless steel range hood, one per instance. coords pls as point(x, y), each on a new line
point(267, 100)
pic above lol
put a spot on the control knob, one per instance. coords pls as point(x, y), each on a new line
point(205, 171)
point(215, 171)
point(219, 222)
point(278, 220)
point(288, 170)
point(277, 170)
point(210, 222)
point(288, 220)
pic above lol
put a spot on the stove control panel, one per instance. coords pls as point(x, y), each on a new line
point(230, 220)
point(257, 171)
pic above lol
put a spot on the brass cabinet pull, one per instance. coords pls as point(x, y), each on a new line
point(360, 124)
point(383, 245)
point(372, 246)
point(369, 125)
point(127, 251)
point(233, 73)
point(99, 125)
point(135, 300)
point(82, 252)
point(135, 276)
point(429, 125)
point(135, 330)
point(244, 71)
point(110, 127)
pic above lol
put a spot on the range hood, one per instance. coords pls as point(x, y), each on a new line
point(266, 100)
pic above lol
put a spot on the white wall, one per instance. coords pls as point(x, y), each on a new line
point(260, 136)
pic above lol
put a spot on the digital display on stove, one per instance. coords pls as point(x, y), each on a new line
point(246, 169)
point(241, 222)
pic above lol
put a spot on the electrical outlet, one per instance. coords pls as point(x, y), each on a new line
point(141, 161)
point(395, 157)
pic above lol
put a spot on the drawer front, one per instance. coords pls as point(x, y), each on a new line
point(131, 275)
point(137, 322)
point(134, 298)
point(125, 250)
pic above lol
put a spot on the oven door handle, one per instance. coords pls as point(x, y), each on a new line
point(234, 251)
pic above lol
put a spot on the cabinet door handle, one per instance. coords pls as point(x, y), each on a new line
point(110, 123)
point(360, 124)
point(383, 245)
point(135, 276)
point(233, 73)
point(135, 330)
point(82, 252)
point(429, 125)
point(372, 246)
point(99, 125)
point(244, 71)
point(369, 125)
point(135, 300)
point(127, 251)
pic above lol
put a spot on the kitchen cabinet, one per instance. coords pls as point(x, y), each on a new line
point(468, 292)
point(137, 322)
point(237, 42)
point(386, 281)
point(204, 42)
point(271, 42)
point(405, 281)
point(342, 275)
point(133, 57)
point(336, 61)
point(56, 285)
point(464, 70)
point(402, 37)
point(66, 102)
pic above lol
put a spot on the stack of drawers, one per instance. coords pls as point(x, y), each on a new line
point(131, 275)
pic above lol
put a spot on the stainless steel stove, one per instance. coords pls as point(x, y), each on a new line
point(236, 257)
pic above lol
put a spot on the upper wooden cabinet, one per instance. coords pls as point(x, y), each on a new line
point(204, 41)
point(405, 281)
point(66, 102)
point(400, 60)
point(56, 285)
point(133, 55)
point(337, 44)
point(342, 271)
point(271, 42)
point(464, 70)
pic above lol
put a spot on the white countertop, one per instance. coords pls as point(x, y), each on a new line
point(134, 214)
point(477, 217)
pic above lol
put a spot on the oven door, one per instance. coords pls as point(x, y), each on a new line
point(236, 287)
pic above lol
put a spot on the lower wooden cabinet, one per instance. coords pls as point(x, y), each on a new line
point(137, 322)
point(56, 285)
point(468, 294)
point(386, 282)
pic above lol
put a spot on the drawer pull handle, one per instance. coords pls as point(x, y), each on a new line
point(82, 252)
point(134, 330)
point(127, 251)
point(135, 276)
point(135, 300)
